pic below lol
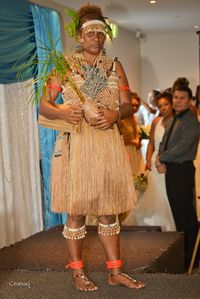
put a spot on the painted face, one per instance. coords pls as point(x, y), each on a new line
point(164, 106)
point(93, 36)
point(135, 105)
point(181, 101)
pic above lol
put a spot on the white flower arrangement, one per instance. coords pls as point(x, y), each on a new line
point(140, 182)
point(144, 132)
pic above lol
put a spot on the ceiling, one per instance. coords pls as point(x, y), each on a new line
point(141, 16)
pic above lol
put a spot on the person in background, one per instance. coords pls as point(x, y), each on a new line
point(184, 81)
point(147, 112)
point(197, 160)
point(153, 206)
point(148, 109)
point(91, 174)
point(197, 100)
point(175, 158)
point(130, 130)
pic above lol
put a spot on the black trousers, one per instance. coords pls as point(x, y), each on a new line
point(180, 180)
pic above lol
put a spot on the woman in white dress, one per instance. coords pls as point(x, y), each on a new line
point(153, 207)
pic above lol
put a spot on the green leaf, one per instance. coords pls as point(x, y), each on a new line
point(72, 27)
point(52, 60)
point(71, 12)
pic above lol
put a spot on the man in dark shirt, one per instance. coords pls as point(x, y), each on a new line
point(175, 158)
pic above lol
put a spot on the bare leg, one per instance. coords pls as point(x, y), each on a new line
point(110, 243)
point(75, 247)
point(112, 249)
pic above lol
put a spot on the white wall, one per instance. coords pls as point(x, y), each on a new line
point(166, 56)
point(126, 47)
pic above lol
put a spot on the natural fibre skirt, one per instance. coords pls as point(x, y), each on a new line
point(91, 175)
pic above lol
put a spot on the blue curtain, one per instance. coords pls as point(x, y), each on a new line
point(17, 40)
point(46, 20)
point(23, 31)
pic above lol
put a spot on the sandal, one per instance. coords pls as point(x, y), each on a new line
point(124, 280)
point(82, 283)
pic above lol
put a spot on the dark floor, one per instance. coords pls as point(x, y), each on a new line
point(58, 285)
point(34, 268)
point(141, 252)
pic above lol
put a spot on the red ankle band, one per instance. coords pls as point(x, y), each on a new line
point(114, 264)
point(75, 265)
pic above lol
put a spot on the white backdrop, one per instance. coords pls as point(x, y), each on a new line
point(20, 191)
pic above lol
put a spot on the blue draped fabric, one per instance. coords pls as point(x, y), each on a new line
point(17, 41)
point(46, 20)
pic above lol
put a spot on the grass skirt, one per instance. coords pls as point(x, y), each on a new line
point(92, 176)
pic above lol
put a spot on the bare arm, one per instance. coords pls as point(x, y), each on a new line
point(125, 107)
point(136, 141)
point(151, 144)
point(49, 109)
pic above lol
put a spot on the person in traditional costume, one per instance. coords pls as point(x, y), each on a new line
point(91, 174)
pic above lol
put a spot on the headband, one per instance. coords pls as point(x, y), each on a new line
point(92, 22)
point(73, 27)
point(94, 25)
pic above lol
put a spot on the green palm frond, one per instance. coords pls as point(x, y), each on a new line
point(51, 62)
point(108, 29)
point(72, 27)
